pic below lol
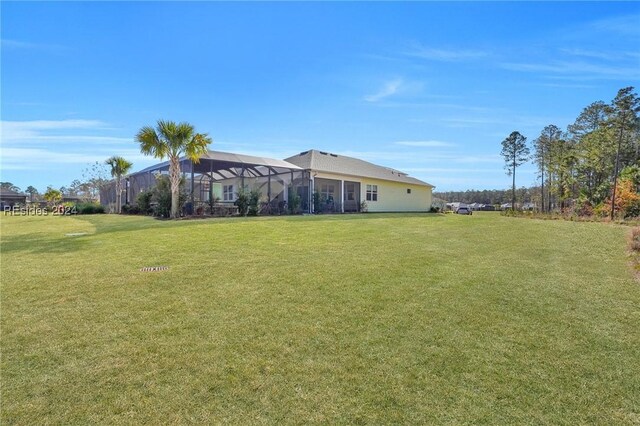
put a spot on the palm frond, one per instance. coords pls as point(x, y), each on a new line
point(151, 143)
point(119, 166)
point(197, 146)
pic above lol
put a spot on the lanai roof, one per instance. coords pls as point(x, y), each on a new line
point(224, 165)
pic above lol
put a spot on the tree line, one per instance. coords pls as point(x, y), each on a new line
point(592, 166)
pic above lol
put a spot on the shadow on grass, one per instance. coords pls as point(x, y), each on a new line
point(39, 242)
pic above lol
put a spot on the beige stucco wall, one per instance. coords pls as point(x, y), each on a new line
point(392, 196)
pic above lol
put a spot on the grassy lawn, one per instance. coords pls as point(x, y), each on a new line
point(359, 319)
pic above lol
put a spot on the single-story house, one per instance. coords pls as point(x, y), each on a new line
point(350, 181)
point(9, 198)
point(323, 181)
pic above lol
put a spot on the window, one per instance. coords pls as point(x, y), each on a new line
point(328, 190)
point(372, 192)
point(408, 190)
point(227, 191)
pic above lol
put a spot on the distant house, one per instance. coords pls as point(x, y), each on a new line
point(9, 198)
point(507, 206)
point(324, 182)
point(487, 207)
point(456, 205)
point(475, 206)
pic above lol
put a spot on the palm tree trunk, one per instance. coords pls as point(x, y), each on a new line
point(118, 195)
point(174, 178)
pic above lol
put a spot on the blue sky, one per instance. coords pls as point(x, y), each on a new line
point(428, 88)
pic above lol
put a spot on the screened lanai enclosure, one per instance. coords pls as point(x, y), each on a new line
point(212, 184)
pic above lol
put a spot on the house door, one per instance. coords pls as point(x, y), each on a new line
point(351, 196)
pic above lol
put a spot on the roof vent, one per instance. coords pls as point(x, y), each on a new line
point(333, 155)
point(323, 153)
point(304, 153)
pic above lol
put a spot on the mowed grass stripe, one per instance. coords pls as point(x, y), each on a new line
point(377, 318)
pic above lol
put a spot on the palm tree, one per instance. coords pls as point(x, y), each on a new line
point(31, 191)
point(173, 140)
point(119, 167)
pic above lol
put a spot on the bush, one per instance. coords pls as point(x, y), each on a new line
point(90, 208)
point(632, 209)
point(254, 202)
point(294, 201)
point(129, 209)
point(143, 201)
point(242, 201)
point(583, 208)
point(248, 202)
point(634, 240)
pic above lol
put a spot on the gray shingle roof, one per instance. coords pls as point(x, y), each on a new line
point(332, 163)
point(4, 192)
point(232, 158)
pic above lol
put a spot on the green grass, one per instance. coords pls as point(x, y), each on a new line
point(358, 319)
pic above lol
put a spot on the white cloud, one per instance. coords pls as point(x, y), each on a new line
point(576, 70)
point(39, 158)
point(57, 144)
point(390, 88)
point(627, 25)
point(445, 55)
point(15, 130)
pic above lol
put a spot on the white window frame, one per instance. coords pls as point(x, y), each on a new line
point(227, 193)
point(329, 194)
point(372, 193)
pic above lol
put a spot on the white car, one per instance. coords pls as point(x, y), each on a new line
point(464, 210)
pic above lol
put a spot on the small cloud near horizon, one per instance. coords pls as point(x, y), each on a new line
point(390, 88)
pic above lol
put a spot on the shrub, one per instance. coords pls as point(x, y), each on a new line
point(129, 209)
point(632, 209)
point(213, 200)
point(627, 203)
point(143, 201)
point(248, 202)
point(254, 202)
point(242, 201)
point(583, 208)
point(90, 208)
point(317, 202)
point(634, 240)
point(294, 201)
